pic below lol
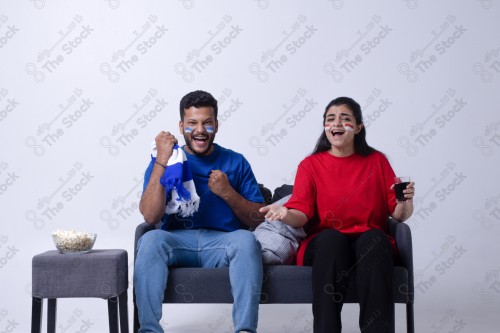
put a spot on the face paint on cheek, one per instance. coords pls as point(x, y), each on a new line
point(209, 129)
point(327, 127)
point(348, 127)
point(188, 130)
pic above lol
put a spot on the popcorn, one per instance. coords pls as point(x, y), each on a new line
point(71, 241)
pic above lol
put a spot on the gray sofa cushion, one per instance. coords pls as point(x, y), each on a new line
point(282, 284)
point(279, 241)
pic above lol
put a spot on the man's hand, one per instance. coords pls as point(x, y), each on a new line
point(274, 212)
point(152, 204)
point(164, 144)
point(219, 184)
point(245, 210)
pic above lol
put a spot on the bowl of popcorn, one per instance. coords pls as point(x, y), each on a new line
point(71, 241)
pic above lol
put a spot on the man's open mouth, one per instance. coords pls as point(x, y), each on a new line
point(200, 138)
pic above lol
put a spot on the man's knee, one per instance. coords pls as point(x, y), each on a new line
point(244, 240)
point(151, 241)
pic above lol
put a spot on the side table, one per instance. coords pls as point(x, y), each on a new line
point(98, 273)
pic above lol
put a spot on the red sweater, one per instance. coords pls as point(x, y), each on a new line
point(351, 194)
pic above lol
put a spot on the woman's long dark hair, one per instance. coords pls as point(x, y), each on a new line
point(360, 145)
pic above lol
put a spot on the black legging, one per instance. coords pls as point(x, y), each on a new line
point(339, 261)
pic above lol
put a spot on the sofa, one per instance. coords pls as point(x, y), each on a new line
point(282, 284)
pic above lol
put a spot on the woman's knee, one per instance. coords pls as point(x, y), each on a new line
point(375, 250)
point(331, 241)
point(374, 239)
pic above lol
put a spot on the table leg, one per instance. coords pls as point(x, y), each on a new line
point(36, 314)
point(51, 315)
point(122, 304)
point(113, 314)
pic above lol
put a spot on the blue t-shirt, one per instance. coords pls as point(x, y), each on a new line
point(214, 212)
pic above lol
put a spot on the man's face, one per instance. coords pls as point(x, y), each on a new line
point(199, 128)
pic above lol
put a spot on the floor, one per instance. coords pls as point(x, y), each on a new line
point(275, 318)
point(296, 318)
point(433, 315)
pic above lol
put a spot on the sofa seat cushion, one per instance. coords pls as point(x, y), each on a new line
point(282, 284)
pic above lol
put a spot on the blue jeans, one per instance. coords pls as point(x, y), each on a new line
point(159, 249)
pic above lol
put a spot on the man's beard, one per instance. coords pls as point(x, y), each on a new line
point(188, 138)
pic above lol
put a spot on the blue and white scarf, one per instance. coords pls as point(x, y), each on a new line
point(178, 181)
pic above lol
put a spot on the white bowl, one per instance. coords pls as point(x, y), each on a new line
point(70, 241)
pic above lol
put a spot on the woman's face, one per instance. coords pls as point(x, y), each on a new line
point(340, 129)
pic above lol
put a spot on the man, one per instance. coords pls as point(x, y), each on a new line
point(215, 235)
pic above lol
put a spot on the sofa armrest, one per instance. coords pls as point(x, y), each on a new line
point(139, 231)
point(402, 234)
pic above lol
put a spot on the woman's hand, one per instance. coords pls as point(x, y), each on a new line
point(292, 217)
point(274, 212)
point(404, 209)
point(409, 192)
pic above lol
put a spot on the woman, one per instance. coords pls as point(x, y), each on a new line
point(343, 194)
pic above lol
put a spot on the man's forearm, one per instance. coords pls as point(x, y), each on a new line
point(246, 211)
point(152, 205)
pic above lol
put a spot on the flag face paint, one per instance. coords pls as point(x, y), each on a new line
point(327, 127)
point(209, 129)
point(348, 127)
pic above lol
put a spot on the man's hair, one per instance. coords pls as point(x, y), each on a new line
point(360, 145)
point(198, 99)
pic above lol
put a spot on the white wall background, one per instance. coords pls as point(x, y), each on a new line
point(86, 85)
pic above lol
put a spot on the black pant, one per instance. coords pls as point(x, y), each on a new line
point(340, 262)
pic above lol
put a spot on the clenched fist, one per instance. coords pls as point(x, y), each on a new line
point(165, 142)
point(219, 183)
